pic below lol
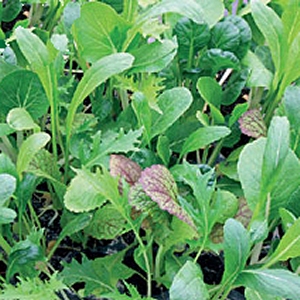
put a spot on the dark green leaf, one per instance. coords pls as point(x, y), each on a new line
point(217, 59)
point(210, 91)
point(163, 149)
point(188, 284)
point(11, 10)
point(23, 88)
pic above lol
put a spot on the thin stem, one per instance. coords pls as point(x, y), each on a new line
point(158, 261)
point(215, 153)
point(201, 248)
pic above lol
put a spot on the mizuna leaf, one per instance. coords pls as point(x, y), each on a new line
point(159, 184)
point(188, 284)
point(124, 167)
point(252, 124)
point(276, 282)
point(289, 245)
point(236, 250)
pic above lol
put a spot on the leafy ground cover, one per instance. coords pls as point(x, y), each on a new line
point(150, 149)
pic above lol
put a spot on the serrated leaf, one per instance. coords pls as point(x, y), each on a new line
point(276, 282)
point(159, 184)
point(88, 191)
point(188, 283)
point(29, 148)
point(113, 142)
point(252, 124)
point(236, 250)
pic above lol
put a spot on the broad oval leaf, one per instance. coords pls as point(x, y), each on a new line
point(276, 282)
point(98, 36)
point(19, 119)
point(29, 148)
point(7, 187)
point(159, 184)
point(188, 283)
point(7, 215)
point(203, 137)
point(258, 295)
point(236, 250)
point(23, 88)
point(210, 90)
point(173, 103)
point(217, 59)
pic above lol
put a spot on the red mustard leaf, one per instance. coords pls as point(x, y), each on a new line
point(124, 167)
point(159, 184)
point(252, 124)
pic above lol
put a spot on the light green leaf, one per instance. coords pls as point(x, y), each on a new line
point(203, 137)
point(163, 149)
point(210, 90)
point(271, 27)
point(7, 187)
point(188, 283)
point(292, 105)
point(258, 295)
point(88, 191)
point(7, 215)
point(93, 77)
point(23, 88)
point(275, 153)
point(276, 282)
point(97, 36)
point(153, 57)
point(173, 103)
point(291, 20)
point(5, 129)
point(287, 218)
point(29, 148)
point(236, 250)
point(260, 76)
point(19, 119)
point(289, 245)
point(33, 48)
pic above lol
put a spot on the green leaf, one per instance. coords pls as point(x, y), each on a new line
point(271, 27)
point(198, 11)
point(33, 49)
point(29, 148)
point(276, 151)
point(6, 68)
point(258, 295)
point(210, 90)
point(291, 20)
point(236, 250)
point(8, 187)
point(96, 36)
point(5, 130)
point(203, 137)
point(88, 191)
point(217, 60)
point(163, 149)
point(238, 111)
point(70, 14)
point(292, 105)
point(289, 245)
point(153, 57)
point(159, 184)
point(93, 77)
point(191, 37)
point(232, 34)
point(188, 283)
point(19, 119)
point(259, 76)
point(25, 255)
point(23, 88)
point(275, 282)
point(7, 216)
point(11, 10)
point(113, 142)
point(287, 218)
point(173, 103)
point(107, 223)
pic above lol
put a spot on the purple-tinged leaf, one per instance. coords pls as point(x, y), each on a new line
point(244, 214)
point(252, 124)
point(124, 167)
point(159, 184)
